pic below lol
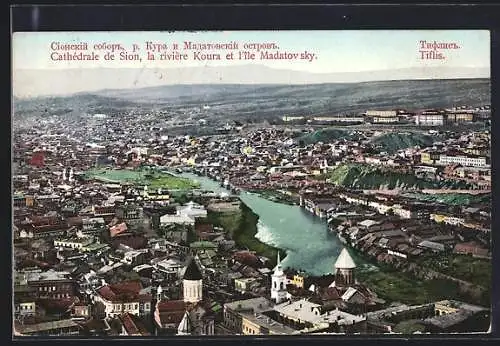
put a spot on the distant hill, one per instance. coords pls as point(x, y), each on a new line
point(265, 102)
point(28, 83)
point(393, 142)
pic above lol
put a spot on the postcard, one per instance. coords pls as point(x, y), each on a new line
point(251, 183)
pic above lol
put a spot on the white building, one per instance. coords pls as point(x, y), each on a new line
point(429, 119)
point(192, 210)
point(168, 219)
point(470, 161)
point(278, 283)
point(74, 243)
point(306, 311)
point(116, 304)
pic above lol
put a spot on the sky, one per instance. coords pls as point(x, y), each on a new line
point(337, 51)
point(355, 51)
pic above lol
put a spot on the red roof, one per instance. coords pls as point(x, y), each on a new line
point(127, 291)
point(145, 298)
point(471, 248)
point(127, 286)
point(118, 229)
point(56, 305)
point(204, 228)
point(129, 324)
point(172, 305)
point(247, 258)
point(174, 317)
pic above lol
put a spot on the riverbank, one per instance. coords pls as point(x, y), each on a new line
point(278, 197)
point(242, 227)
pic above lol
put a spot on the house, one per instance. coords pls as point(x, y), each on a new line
point(233, 318)
point(118, 229)
point(124, 297)
point(66, 327)
point(307, 315)
point(433, 246)
point(244, 285)
point(259, 324)
point(177, 317)
point(168, 219)
point(74, 242)
point(192, 210)
point(132, 325)
point(471, 248)
point(24, 306)
point(52, 284)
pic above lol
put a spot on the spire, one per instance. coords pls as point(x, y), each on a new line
point(185, 325)
point(278, 270)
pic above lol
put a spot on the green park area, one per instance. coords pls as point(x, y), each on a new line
point(394, 285)
point(463, 267)
point(142, 176)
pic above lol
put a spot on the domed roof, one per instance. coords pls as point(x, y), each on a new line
point(192, 271)
point(345, 261)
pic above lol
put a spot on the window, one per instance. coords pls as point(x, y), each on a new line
point(136, 306)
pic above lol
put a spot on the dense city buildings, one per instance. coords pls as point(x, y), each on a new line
point(117, 230)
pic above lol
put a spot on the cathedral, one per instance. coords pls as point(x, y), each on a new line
point(344, 270)
point(344, 291)
point(191, 315)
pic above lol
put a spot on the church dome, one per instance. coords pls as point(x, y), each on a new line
point(192, 271)
point(345, 261)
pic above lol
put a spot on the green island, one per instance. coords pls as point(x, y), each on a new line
point(242, 227)
point(141, 176)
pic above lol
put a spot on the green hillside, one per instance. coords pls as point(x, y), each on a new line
point(452, 198)
point(360, 176)
point(325, 135)
point(392, 142)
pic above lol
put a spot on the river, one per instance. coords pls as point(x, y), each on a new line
point(305, 238)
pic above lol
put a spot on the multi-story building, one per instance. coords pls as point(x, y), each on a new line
point(464, 160)
point(55, 285)
point(429, 157)
point(459, 117)
point(124, 297)
point(74, 242)
point(54, 328)
point(233, 318)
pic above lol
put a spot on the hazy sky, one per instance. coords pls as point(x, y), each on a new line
point(337, 51)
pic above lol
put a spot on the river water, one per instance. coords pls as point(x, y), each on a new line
point(305, 238)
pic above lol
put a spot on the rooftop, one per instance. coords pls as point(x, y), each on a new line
point(345, 261)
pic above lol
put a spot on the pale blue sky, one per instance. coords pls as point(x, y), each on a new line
point(337, 51)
